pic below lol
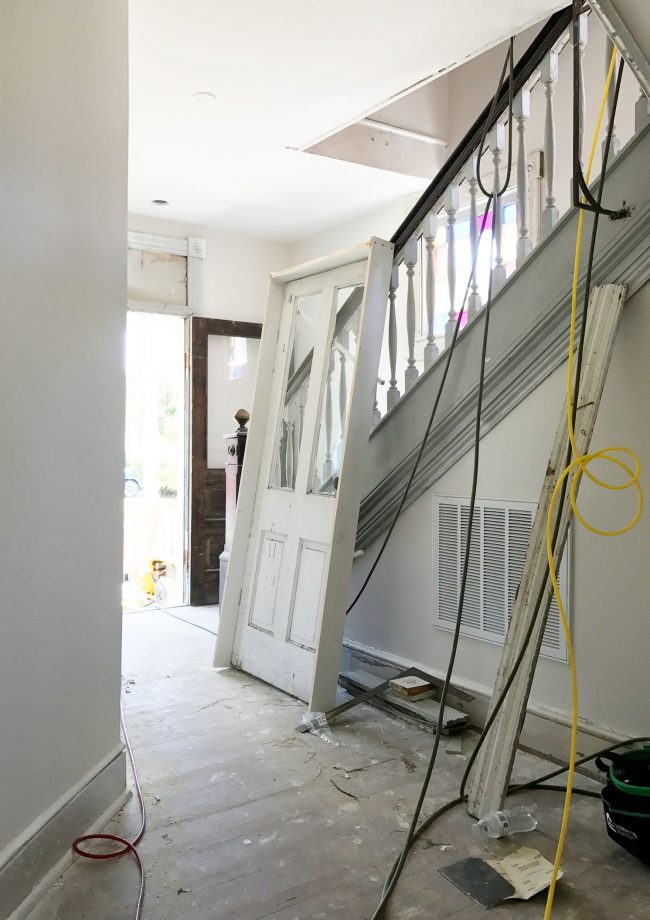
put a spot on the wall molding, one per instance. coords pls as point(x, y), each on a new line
point(529, 328)
point(37, 862)
point(152, 242)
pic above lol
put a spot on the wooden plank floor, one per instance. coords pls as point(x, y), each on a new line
point(245, 821)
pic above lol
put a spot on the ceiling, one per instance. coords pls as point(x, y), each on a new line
point(284, 75)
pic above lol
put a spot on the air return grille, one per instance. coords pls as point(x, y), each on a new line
point(500, 535)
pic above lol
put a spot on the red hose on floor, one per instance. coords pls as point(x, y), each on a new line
point(127, 846)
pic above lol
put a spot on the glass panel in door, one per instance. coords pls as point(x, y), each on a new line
point(294, 399)
point(331, 431)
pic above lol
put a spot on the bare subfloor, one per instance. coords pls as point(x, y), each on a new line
point(249, 820)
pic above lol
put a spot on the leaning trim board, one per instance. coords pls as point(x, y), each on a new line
point(494, 765)
point(331, 620)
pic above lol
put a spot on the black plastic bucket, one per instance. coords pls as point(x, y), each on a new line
point(626, 800)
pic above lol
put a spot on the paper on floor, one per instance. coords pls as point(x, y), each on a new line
point(527, 871)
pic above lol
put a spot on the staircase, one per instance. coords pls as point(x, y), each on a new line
point(527, 250)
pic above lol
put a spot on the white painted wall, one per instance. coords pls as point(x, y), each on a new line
point(63, 162)
point(229, 389)
point(382, 223)
point(611, 577)
point(236, 269)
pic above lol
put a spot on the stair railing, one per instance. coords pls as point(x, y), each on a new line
point(436, 244)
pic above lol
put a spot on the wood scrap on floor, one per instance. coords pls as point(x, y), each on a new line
point(413, 688)
point(423, 712)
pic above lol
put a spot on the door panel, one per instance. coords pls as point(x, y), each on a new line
point(303, 618)
point(214, 532)
point(269, 565)
point(285, 599)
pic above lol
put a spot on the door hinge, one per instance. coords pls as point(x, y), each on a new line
point(188, 360)
point(186, 558)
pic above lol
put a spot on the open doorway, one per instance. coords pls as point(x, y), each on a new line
point(155, 473)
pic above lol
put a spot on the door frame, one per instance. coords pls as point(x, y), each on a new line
point(194, 250)
point(201, 328)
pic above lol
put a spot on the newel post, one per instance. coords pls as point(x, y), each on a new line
point(235, 445)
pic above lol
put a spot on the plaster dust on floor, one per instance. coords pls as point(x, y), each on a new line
point(248, 819)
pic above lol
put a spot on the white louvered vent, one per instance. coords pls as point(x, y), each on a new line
point(500, 535)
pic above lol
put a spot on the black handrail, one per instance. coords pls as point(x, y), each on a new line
point(524, 69)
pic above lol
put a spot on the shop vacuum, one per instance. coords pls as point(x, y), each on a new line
point(626, 799)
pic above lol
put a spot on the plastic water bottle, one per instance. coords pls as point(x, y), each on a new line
point(510, 821)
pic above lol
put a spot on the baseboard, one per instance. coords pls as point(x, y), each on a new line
point(545, 732)
point(32, 869)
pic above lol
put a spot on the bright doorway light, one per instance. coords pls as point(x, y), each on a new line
point(155, 474)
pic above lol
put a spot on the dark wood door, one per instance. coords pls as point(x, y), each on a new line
point(208, 486)
point(210, 540)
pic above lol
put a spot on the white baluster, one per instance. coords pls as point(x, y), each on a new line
point(430, 230)
point(615, 145)
point(281, 475)
point(344, 340)
point(641, 112)
point(450, 204)
point(297, 429)
point(497, 145)
point(521, 111)
point(376, 414)
point(410, 260)
point(393, 394)
point(290, 472)
point(474, 298)
point(550, 214)
point(329, 415)
point(583, 21)
point(297, 432)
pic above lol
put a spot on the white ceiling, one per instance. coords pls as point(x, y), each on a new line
point(284, 74)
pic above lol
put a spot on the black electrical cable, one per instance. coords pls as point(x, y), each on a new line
point(175, 616)
point(530, 784)
point(449, 351)
point(391, 882)
point(481, 150)
point(397, 870)
point(413, 833)
point(576, 386)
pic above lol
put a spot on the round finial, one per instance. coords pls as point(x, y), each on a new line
point(241, 416)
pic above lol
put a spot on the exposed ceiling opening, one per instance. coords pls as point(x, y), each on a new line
point(415, 133)
point(408, 136)
point(223, 100)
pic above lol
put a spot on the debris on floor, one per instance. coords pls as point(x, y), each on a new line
point(422, 712)
point(489, 882)
point(413, 688)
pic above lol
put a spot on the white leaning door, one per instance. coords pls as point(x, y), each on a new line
point(283, 611)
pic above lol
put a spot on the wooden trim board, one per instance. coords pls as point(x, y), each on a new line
point(491, 776)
